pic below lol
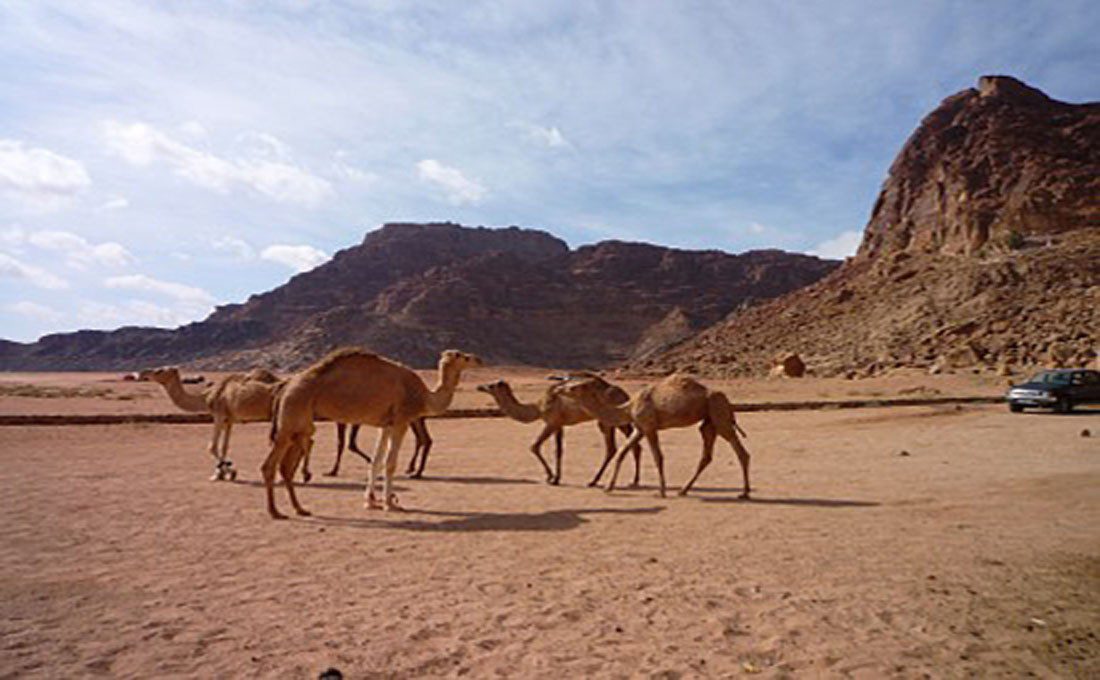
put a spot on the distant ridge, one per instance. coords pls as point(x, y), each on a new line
point(517, 296)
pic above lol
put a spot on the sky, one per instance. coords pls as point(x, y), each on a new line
point(160, 158)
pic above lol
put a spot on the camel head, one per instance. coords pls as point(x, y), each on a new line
point(454, 360)
point(494, 389)
point(162, 375)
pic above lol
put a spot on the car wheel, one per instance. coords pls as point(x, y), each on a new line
point(1064, 405)
point(1016, 408)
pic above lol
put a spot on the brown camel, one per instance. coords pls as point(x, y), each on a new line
point(558, 411)
point(236, 398)
point(355, 386)
point(423, 444)
point(676, 401)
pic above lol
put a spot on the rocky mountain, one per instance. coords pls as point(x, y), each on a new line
point(409, 290)
point(982, 253)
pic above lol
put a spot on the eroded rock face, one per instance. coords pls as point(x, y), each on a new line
point(989, 168)
point(408, 291)
point(982, 253)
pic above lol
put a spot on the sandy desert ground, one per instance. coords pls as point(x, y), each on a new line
point(977, 554)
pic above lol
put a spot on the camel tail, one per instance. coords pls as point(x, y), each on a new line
point(736, 426)
point(276, 406)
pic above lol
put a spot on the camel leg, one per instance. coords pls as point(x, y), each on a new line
point(559, 437)
point(219, 426)
point(353, 444)
point(609, 451)
point(709, 435)
point(341, 431)
point(742, 457)
point(658, 457)
point(225, 466)
point(396, 437)
point(423, 442)
point(270, 465)
point(306, 455)
point(630, 441)
point(376, 468)
point(721, 414)
point(536, 447)
point(637, 450)
point(289, 465)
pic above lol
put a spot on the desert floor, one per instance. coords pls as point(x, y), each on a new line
point(977, 553)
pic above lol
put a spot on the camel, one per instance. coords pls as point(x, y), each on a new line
point(558, 411)
point(352, 385)
point(420, 453)
point(676, 401)
point(241, 398)
point(236, 398)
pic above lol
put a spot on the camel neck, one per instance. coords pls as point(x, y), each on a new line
point(514, 408)
point(183, 399)
point(440, 398)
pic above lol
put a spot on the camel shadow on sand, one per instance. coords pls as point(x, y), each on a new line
point(331, 484)
point(805, 502)
point(550, 520)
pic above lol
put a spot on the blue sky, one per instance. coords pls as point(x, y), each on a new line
point(157, 159)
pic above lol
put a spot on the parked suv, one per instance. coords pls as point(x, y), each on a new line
point(1060, 389)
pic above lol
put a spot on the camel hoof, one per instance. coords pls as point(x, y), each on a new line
point(330, 474)
point(682, 492)
point(392, 505)
point(306, 477)
point(593, 484)
point(232, 475)
point(372, 504)
point(302, 512)
point(277, 515)
point(744, 495)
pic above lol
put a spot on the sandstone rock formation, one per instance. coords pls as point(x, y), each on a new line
point(510, 295)
point(982, 253)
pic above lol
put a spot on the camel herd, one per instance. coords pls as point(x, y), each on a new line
point(354, 387)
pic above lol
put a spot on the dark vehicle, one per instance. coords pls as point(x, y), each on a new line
point(1060, 389)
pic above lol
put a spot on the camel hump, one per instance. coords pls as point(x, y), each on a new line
point(338, 356)
point(262, 375)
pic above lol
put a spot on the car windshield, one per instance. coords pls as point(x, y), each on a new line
point(1051, 378)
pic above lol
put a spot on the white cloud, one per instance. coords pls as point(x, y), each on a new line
point(177, 291)
point(844, 245)
point(239, 248)
point(757, 228)
point(35, 311)
point(460, 190)
point(139, 313)
point(265, 170)
point(545, 136)
point(39, 177)
point(298, 258)
point(193, 129)
point(345, 171)
point(78, 252)
point(14, 269)
point(116, 203)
